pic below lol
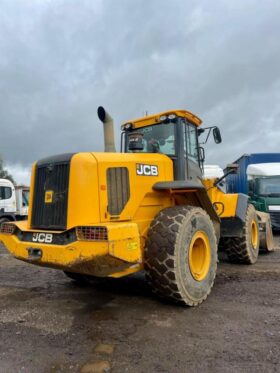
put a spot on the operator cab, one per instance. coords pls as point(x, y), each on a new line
point(174, 134)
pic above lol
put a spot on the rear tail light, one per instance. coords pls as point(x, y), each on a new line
point(7, 228)
point(92, 233)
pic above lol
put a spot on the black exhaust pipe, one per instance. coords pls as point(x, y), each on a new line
point(108, 128)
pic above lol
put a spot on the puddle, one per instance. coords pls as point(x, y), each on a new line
point(6, 291)
point(104, 349)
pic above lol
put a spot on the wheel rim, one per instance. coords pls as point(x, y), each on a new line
point(254, 234)
point(199, 256)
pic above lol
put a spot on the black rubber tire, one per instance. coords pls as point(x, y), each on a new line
point(4, 220)
point(222, 244)
point(166, 258)
point(240, 249)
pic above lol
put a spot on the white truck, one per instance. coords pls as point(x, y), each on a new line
point(264, 189)
point(13, 201)
point(214, 172)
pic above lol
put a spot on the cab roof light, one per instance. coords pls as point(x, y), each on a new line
point(164, 117)
point(127, 126)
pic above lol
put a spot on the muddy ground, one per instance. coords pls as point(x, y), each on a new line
point(50, 324)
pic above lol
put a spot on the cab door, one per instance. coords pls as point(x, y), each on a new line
point(191, 152)
point(7, 197)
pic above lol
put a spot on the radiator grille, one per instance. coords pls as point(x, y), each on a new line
point(54, 179)
point(275, 219)
point(7, 228)
point(92, 233)
point(118, 189)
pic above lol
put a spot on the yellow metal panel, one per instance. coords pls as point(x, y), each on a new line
point(140, 186)
point(87, 205)
point(86, 256)
point(32, 184)
point(78, 256)
point(146, 213)
point(23, 226)
point(226, 204)
point(124, 241)
point(152, 119)
point(83, 197)
point(56, 255)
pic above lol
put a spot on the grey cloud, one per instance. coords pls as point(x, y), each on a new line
point(59, 60)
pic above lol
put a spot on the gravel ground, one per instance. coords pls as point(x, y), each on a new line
point(50, 324)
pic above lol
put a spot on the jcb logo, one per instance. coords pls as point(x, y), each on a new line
point(146, 169)
point(49, 196)
point(42, 237)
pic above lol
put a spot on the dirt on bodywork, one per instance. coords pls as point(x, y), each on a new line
point(48, 323)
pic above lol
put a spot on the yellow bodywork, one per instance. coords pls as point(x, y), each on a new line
point(122, 253)
point(200, 256)
point(87, 205)
point(225, 204)
point(152, 119)
point(86, 256)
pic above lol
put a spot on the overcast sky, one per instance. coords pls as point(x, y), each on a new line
point(60, 60)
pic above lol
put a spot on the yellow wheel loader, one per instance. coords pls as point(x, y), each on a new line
point(146, 208)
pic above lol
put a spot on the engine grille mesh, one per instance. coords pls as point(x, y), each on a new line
point(118, 189)
point(7, 228)
point(53, 178)
point(92, 233)
point(275, 219)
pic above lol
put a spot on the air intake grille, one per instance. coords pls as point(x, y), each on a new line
point(49, 209)
point(92, 233)
point(118, 189)
point(7, 228)
point(275, 219)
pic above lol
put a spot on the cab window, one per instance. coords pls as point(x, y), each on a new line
point(191, 145)
point(25, 197)
point(5, 192)
point(157, 138)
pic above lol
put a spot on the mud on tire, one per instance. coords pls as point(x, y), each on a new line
point(172, 252)
point(4, 220)
point(245, 249)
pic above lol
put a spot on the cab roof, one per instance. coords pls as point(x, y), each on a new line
point(155, 118)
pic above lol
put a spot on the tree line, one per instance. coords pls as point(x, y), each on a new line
point(4, 174)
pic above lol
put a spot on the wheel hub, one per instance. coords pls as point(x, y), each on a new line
point(254, 234)
point(199, 256)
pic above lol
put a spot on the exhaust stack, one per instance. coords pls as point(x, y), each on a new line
point(108, 128)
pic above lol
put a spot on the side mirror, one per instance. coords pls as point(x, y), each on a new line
point(200, 131)
point(217, 135)
point(135, 141)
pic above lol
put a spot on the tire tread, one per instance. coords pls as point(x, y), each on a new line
point(160, 261)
